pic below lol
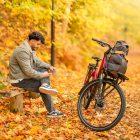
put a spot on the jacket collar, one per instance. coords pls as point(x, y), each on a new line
point(28, 47)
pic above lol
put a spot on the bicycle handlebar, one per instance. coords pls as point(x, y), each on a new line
point(103, 44)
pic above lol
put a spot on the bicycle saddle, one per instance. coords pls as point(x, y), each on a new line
point(91, 65)
point(96, 58)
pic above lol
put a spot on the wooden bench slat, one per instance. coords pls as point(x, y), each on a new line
point(10, 93)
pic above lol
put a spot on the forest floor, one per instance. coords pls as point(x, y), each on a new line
point(34, 124)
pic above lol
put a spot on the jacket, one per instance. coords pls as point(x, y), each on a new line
point(23, 64)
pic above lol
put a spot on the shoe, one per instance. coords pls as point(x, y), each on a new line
point(47, 89)
point(55, 113)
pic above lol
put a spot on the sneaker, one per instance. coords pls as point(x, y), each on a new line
point(55, 113)
point(47, 89)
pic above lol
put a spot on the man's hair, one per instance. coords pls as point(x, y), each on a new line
point(36, 36)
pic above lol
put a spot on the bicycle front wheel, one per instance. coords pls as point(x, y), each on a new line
point(104, 116)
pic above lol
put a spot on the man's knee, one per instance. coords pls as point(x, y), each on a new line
point(46, 79)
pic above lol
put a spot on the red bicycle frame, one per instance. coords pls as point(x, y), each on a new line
point(95, 73)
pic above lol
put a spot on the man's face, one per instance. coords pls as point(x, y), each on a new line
point(35, 44)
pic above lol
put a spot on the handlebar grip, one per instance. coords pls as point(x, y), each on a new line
point(94, 39)
point(103, 44)
point(99, 42)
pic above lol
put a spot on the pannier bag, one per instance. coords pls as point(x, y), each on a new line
point(116, 62)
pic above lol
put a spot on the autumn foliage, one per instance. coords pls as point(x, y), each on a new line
point(76, 22)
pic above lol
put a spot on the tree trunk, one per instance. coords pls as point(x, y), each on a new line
point(16, 99)
point(16, 103)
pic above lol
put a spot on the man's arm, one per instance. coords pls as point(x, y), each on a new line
point(23, 59)
point(41, 64)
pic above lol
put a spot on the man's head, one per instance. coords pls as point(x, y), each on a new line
point(35, 39)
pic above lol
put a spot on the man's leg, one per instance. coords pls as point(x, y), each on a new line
point(54, 113)
point(45, 84)
point(33, 85)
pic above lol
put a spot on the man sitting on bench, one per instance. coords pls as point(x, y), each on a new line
point(28, 72)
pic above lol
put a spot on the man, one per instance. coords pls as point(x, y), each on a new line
point(30, 73)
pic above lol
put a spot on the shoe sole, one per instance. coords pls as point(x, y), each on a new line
point(47, 91)
point(53, 116)
point(57, 116)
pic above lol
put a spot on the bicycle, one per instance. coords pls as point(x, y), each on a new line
point(101, 103)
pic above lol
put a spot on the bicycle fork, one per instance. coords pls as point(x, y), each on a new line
point(99, 97)
point(97, 94)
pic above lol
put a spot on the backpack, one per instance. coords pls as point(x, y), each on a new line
point(116, 61)
point(122, 47)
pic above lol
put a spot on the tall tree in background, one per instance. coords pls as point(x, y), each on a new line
point(52, 36)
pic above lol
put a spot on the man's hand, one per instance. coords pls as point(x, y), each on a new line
point(46, 74)
point(52, 69)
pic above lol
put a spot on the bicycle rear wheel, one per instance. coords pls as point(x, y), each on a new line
point(101, 117)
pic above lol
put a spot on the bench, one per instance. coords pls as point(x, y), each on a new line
point(16, 98)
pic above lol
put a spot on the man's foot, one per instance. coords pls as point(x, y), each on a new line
point(47, 89)
point(55, 113)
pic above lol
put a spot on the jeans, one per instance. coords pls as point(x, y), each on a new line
point(33, 85)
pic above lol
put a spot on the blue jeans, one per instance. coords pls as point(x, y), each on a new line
point(33, 85)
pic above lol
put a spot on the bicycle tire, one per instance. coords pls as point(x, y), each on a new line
point(121, 112)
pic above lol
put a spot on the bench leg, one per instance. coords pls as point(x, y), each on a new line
point(16, 103)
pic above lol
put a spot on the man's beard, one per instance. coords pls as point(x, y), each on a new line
point(33, 48)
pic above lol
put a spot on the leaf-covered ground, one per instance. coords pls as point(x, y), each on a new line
point(34, 124)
